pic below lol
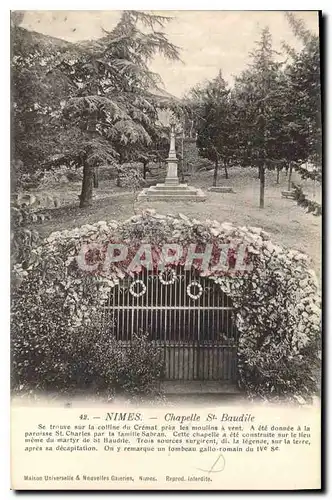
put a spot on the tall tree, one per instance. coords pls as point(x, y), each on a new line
point(303, 75)
point(215, 123)
point(258, 93)
point(114, 108)
point(38, 89)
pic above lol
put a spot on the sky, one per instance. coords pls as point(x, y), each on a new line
point(209, 40)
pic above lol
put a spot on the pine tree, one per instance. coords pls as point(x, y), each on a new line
point(258, 95)
point(303, 75)
point(214, 123)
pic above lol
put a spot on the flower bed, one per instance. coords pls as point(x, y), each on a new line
point(277, 304)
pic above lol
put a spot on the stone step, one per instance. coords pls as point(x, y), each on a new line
point(175, 186)
point(172, 191)
point(164, 192)
point(190, 194)
point(199, 388)
point(171, 198)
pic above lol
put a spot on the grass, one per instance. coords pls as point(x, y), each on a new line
point(288, 224)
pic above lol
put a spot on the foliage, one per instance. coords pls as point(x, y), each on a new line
point(259, 96)
point(48, 355)
point(279, 325)
point(303, 75)
point(131, 177)
point(314, 174)
point(216, 137)
point(142, 367)
point(59, 175)
point(312, 206)
point(38, 90)
point(23, 238)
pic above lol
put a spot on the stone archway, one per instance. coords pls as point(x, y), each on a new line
point(276, 304)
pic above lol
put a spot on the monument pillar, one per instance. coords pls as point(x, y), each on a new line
point(172, 163)
point(171, 190)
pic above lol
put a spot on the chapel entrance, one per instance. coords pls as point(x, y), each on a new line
point(189, 316)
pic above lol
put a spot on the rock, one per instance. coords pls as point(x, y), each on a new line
point(158, 216)
point(214, 231)
point(300, 399)
point(269, 246)
point(265, 235)
point(256, 230)
point(227, 226)
point(150, 211)
point(184, 218)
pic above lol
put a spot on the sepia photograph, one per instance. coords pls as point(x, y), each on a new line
point(166, 240)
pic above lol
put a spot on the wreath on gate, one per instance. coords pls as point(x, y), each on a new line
point(166, 281)
point(197, 285)
point(134, 285)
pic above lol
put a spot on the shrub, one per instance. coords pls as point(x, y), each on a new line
point(48, 355)
point(23, 238)
point(279, 336)
point(142, 369)
point(130, 176)
point(60, 175)
point(39, 336)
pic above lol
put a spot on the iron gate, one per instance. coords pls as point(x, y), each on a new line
point(188, 315)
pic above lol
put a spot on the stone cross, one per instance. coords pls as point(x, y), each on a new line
point(172, 162)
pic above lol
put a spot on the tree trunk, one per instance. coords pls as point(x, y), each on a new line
point(262, 185)
point(181, 170)
point(259, 172)
point(278, 175)
point(215, 173)
point(226, 171)
point(96, 177)
point(290, 176)
point(87, 186)
point(144, 169)
point(89, 171)
point(121, 162)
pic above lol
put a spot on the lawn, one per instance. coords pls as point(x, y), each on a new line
point(287, 223)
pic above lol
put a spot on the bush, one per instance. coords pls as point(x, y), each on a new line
point(39, 336)
point(47, 355)
point(146, 364)
point(280, 337)
point(130, 176)
point(23, 238)
point(60, 175)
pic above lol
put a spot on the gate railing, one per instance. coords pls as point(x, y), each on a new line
point(188, 315)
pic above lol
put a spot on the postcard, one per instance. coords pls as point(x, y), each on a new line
point(166, 237)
